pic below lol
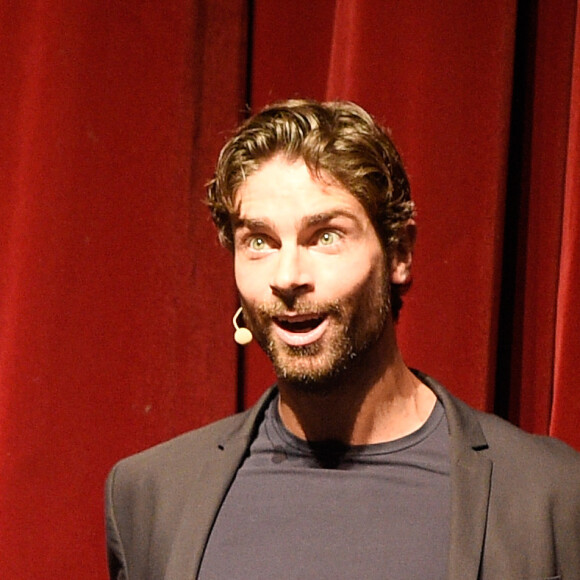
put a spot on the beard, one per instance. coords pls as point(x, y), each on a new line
point(355, 324)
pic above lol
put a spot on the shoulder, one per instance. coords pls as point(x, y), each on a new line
point(182, 456)
point(182, 465)
point(190, 445)
point(509, 447)
point(171, 464)
point(542, 454)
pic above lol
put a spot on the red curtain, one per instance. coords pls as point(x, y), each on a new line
point(547, 336)
point(115, 299)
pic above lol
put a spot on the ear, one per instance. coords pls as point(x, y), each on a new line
point(402, 258)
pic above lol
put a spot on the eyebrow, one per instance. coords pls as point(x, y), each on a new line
point(250, 223)
point(325, 217)
point(307, 221)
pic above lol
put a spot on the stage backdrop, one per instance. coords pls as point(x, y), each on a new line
point(115, 298)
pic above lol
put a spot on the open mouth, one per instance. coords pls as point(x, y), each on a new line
point(299, 324)
point(302, 329)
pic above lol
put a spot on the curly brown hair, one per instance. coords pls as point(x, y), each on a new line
point(339, 141)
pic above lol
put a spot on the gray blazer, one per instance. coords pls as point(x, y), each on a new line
point(515, 499)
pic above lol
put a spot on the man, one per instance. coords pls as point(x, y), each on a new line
point(353, 466)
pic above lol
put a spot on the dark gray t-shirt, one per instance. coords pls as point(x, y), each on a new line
point(301, 511)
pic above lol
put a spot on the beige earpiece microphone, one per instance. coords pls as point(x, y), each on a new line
point(242, 335)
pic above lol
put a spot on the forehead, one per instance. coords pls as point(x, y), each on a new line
point(281, 186)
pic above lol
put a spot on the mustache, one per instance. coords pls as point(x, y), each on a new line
point(272, 309)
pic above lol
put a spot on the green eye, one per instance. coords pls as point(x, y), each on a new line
point(328, 238)
point(257, 243)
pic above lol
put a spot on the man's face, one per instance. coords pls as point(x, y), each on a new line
point(311, 273)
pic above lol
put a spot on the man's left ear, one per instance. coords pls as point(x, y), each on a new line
point(403, 255)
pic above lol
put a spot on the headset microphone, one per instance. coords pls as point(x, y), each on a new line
point(242, 335)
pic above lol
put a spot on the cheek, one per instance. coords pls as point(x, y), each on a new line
point(240, 278)
point(249, 281)
point(352, 277)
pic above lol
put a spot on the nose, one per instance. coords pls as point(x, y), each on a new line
point(292, 275)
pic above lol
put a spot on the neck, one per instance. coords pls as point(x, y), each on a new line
point(377, 399)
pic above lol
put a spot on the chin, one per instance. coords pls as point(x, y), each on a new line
point(312, 369)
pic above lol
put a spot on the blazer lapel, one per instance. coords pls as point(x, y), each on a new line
point(470, 485)
point(214, 480)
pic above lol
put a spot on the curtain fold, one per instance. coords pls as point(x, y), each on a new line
point(541, 311)
point(566, 403)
